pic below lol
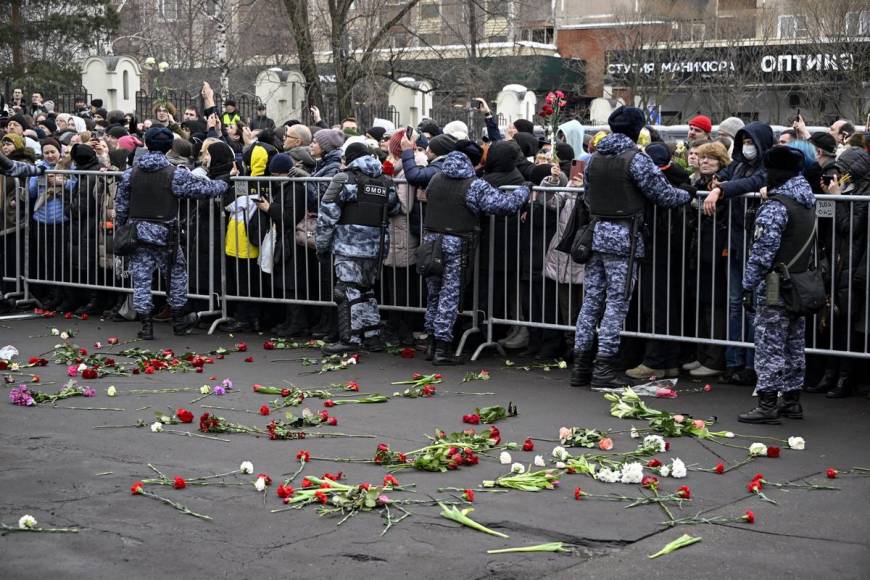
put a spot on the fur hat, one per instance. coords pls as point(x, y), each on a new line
point(628, 121)
point(457, 129)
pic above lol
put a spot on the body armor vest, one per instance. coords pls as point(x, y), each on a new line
point(372, 196)
point(446, 210)
point(151, 196)
point(801, 221)
point(612, 192)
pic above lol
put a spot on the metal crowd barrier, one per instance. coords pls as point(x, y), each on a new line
point(76, 252)
point(688, 284)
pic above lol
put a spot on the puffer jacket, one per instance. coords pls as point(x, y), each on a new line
point(403, 240)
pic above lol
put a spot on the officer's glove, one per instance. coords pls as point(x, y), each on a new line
point(748, 300)
point(693, 191)
point(6, 164)
point(324, 257)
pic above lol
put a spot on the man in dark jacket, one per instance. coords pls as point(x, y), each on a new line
point(147, 196)
point(261, 121)
point(745, 174)
point(439, 147)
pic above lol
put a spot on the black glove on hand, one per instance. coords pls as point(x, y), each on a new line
point(693, 191)
point(6, 164)
point(749, 300)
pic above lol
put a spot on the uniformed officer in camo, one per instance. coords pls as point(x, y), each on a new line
point(605, 299)
point(780, 360)
point(349, 227)
point(154, 236)
point(475, 196)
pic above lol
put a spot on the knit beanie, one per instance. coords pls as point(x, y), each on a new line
point(49, 124)
point(329, 139)
point(659, 153)
point(128, 142)
point(82, 155)
point(280, 164)
point(471, 149)
point(159, 139)
point(117, 132)
point(355, 151)
point(52, 142)
point(628, 121)
point(702, 122)
point(457, 129)
point(395, 144)
point(377, 133)
point(782, 163)
point(524, 126)
point(442, 144)
point(21, 120)
point(730, 126)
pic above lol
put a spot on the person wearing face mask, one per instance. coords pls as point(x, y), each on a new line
point(745, 174)
point(783, 226)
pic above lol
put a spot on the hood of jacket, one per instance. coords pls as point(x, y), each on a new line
point(855, 162)
point(367, 164)
point(328, 158)
point(151, 161)
point(761, 134)
point(502, 157)
point(614, 144)
point(798, 189)
point(574, 133)
point(456, 165)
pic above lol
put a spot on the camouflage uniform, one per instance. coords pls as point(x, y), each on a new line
point(606, 273)
point(156, 236)
point(356, 250)
point(482, 198)
point(780, 360)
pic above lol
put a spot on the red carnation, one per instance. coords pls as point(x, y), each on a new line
point(85, 316)
point(249, 359)
point(83, 351)
point(89, 374)
point(68, 315)
point(416, 376)
point(650, 482)
point(473, 419)
point(528, 445)
point(329, 403)
point(136, 488)
point(184, 415)
point(306, 482)
point(285, 491)
point(333, 476)
point(285, 392)
point(757, 476)
point(242, 347)
point(754, 486)
point(653, 463)
point(832, 473)
point(265, 477)
point(546, 111)
point(773, 451)
point(407, 352)
point(720, 468)
point(578, 493)
point(109, 362)
point(352, 386)
point(198, 370)
point(264, 409)
point(136, 371)
point(325, 485)
point(684, 492)
point(437, 376)
point(303, 456)
point(428, 390)
point(32, 360)
point(179, 483)
point(321, 497)
point(331, 421)
point(468, 495)
point(391, 481)
point(365, 486)
point(749, 517)
point(269, 345)
point(3, 365)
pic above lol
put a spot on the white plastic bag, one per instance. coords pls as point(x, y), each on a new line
point(266, 259)
point(8, 352)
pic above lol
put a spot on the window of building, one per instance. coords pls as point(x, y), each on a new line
point(430, 11)
point(498, 38)
point(858, 23)
point(541, 35)
point(125, 84)
point(792, 26)
point(690, 31)
point(168, 9)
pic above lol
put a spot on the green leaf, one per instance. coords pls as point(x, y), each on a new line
point(549, 547)
point(461, 517)
point(681, 542)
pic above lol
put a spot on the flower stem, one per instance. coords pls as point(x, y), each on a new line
point(7, 529)
point(176, 505)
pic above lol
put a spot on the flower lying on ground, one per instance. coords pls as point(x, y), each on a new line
point(27, 522)
point(758, 450)
point(246, 467)
point(796, 443)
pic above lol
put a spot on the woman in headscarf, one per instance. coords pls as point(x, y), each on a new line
point(86, 193)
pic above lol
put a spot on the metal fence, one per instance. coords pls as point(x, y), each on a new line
point(245, 104)
point(688, 280)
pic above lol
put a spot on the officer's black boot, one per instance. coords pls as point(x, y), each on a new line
point(766, 412)
point(842, 388)
point(374, 343)
point(826, 383)
point(430, 347)
point(343, 344)
point(443, 354)
point(581, 372)
point(147, 331)
point(183, 324)
point(606, 373)
point(790, 405)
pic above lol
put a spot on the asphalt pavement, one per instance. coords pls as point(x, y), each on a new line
point(60, 469)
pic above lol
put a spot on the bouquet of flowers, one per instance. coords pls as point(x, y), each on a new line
point(24, 397)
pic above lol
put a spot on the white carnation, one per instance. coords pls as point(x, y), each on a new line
point(632, 472)
point(156, 427)
point(607, 475)
point(111, 391)
point(260, 484)
point(27, 522)
point(797, 443)
point(539, 461)
point(655, 441)
point(505, 458)
point(729, 434)
point(758, 450)
point(678, 468)
point(64, 335)
point(560, 453)
point(205, 389)
point(55, 332)
point(665, 470)
point(634, 433)
point(518, 468)
point(246, 467)
point(560, 465)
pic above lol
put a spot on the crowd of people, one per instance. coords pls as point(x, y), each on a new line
point(412, 200)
